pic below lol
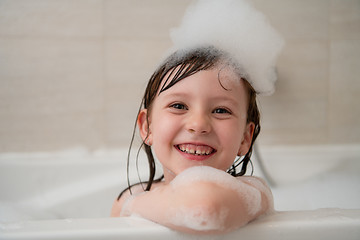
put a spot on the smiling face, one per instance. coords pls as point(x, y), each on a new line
point(201, 120)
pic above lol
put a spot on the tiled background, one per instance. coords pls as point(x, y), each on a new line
point(72, 72)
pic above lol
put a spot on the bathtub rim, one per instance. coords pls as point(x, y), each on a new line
point(314, 224)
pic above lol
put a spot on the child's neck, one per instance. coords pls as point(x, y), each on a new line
point(168, 175)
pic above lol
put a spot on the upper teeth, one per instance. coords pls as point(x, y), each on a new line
point(194, 149)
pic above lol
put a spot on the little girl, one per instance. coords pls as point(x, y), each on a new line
point(200, 119)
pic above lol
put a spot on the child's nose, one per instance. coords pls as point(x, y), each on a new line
point(198, 123)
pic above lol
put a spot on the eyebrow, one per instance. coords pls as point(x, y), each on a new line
point(226, 99)
point(175, 94)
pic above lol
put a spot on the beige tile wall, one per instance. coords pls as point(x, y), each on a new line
point(72, 72)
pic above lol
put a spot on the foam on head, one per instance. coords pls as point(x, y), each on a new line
point(235, 27)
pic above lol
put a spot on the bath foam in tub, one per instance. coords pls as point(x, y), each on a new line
point(200, 218)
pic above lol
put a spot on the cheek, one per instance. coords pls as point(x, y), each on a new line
point(163, 129)
point(231, 137)
point(232, 133)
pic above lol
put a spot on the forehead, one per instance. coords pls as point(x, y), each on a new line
point(222, 82)
point(228, 78)
point(225, 75)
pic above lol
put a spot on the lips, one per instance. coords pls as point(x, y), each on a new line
point(196, 150)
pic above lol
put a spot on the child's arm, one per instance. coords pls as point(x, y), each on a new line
point(203, 205)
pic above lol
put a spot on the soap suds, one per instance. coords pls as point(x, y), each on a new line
point(198, 218)
point(250, 195)
point(262, 186)
point(237, 28)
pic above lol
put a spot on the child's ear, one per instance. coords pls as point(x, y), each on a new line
point(247, 138)
point(143, 125)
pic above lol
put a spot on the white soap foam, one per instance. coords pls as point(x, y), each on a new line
point(264, 189)
point(199, 219)
point(236, 27)
point(250, 195)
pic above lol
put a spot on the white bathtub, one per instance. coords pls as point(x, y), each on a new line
point(68, 195)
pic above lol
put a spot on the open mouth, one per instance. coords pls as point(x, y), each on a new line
point(198, 150)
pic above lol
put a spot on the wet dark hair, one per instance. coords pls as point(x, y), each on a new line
point(175, 68)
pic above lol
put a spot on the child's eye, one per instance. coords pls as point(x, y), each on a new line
point(222, 111)
point(178, 106)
